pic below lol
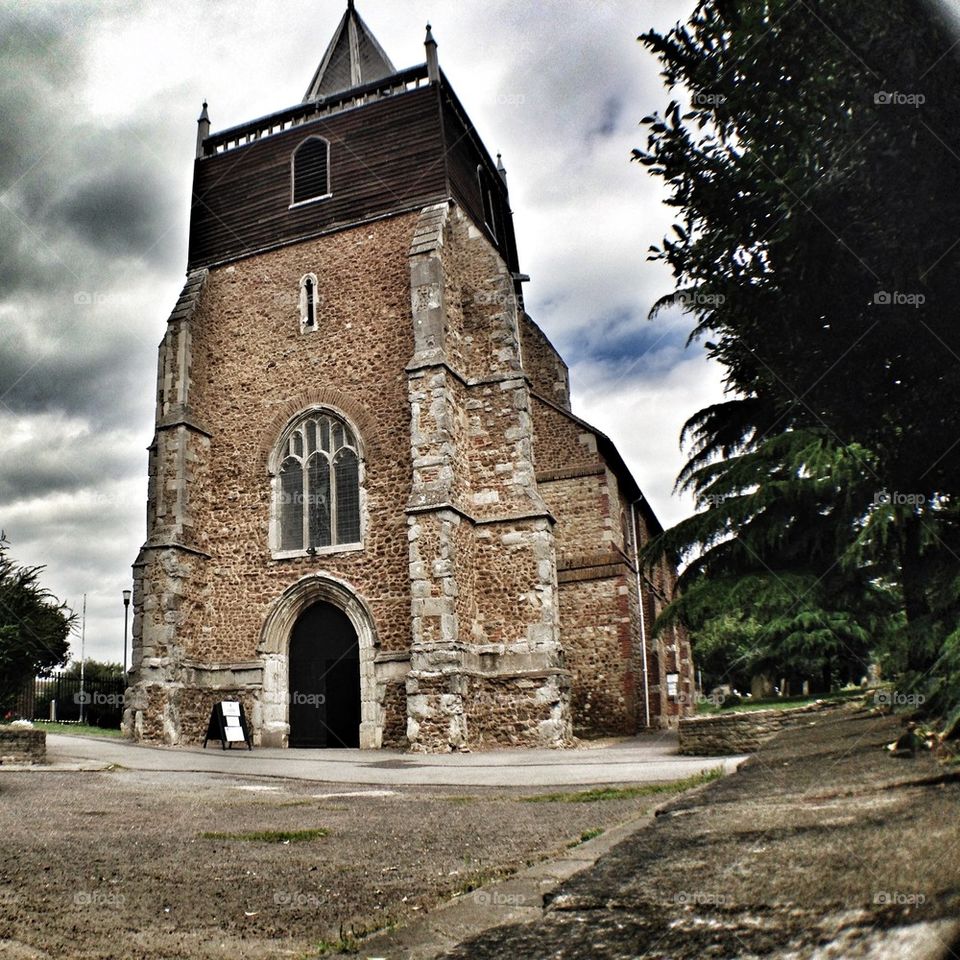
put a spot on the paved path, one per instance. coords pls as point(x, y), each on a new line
point(641, 759)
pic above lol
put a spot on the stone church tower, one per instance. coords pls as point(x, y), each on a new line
point(373, 517)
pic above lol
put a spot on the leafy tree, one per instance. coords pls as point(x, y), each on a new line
point(818, 196)
point(95, 670)
point(34, 626)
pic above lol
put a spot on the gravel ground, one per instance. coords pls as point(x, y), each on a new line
point(116, 865)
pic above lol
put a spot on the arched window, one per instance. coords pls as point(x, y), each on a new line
point(311, 170)
point(318, 485)
point(309, 300)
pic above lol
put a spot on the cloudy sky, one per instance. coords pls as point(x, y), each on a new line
point(98, 103)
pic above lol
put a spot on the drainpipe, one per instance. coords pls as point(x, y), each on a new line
point(643, 619)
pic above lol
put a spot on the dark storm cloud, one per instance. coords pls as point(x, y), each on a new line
point(53, 461)
point(80, 376)
point(119, 214)
point(85, 213)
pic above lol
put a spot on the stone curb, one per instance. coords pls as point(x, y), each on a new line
point(519, 898)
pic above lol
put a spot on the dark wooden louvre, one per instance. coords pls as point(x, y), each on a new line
point(311, 170)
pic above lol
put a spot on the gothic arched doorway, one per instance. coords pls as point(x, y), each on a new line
point(324, 679)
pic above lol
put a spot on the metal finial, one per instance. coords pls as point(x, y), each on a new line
point(433, 63)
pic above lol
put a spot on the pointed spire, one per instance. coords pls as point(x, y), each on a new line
point(353, 58)
point(203, 128)
point(433, 62)
point(501, 169)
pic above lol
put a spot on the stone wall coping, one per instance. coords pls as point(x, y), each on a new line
point(213, 666)
point(421, 366)
point(720, 719)
point(398, 656)
point(493, 674)
point(172, 545)
point(418, 509)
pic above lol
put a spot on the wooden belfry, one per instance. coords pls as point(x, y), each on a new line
point(228, 724)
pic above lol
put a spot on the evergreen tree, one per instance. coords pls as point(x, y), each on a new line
point(34, 626)
point(818, 195)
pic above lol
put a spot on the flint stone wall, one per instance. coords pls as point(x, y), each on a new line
point(732, 733)
point(23, 746)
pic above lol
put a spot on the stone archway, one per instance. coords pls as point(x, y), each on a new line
point(274, 649)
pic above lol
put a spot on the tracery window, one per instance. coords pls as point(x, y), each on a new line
point(318, 485)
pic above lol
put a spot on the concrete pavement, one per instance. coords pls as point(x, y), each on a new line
point(644, 759)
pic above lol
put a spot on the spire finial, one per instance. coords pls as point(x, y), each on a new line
point(433, 62)
point(501, 169)
point(203, 128)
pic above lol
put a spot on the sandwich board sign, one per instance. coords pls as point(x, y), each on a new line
point(228, 724)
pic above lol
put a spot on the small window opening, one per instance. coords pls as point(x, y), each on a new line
point(489, 201)
point(308, 302)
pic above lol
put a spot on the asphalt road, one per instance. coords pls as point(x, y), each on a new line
point(644, 759)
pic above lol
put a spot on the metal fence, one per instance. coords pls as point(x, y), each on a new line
point(60, 697)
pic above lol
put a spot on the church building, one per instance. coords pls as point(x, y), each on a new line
point(372, 517)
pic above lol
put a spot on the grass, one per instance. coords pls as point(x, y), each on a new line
point(76, 729)
point(585, 836)
point(599, 794)
point(776, 703)
point(344, 945)
point(271, 836)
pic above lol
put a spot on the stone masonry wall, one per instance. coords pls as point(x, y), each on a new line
point(596, 622)
point(234, 369)
point(253, 368)
point(549, 375)
point(22, 745)
point(730, 733)
point(482, 558)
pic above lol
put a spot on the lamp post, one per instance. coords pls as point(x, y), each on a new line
point(126, 611)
